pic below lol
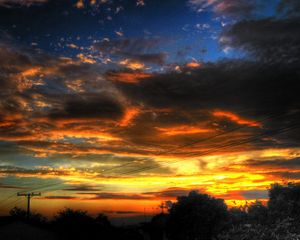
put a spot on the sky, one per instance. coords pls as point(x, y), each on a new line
point(115, 106)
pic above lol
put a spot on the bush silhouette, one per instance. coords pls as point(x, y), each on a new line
point(258, 213)
point(20, 214)
point(196, 216)
point(76, 224)
point(284, 201)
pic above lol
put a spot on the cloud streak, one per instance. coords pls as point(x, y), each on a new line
point(14, 3)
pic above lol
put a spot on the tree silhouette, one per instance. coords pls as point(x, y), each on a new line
point(284, 201)
point(157, 226)
point(21, 215)
point(258, 213)
point(237, 215)
point(279, 219)
point(75, 224)
point(196, 216)
point(102, 221)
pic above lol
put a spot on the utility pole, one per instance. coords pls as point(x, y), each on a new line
point(163, 206)
point(28, 196)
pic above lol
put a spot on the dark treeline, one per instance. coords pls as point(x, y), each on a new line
point(193, 217)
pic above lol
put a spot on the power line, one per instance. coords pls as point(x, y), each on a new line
point(183, 146)
point(213, 150)
point(197, 141)
point(189, 144)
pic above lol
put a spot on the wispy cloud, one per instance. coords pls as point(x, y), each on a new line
point(237, 8)
point(14, 3)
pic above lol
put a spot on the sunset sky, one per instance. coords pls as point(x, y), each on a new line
point(117, 105)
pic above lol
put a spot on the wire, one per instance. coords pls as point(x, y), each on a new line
point(197, 141)
point(217, 148)
point(214, 150)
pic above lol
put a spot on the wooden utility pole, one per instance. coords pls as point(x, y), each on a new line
point(163, 206)
point(28, 196)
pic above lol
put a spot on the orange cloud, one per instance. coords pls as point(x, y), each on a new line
point(24, 78)
point(235, 118)
point(194, 64)
point(183, 130)
point(128, 77)
point(75, 85)
point(132, 64)
point(86, 59)
point(80, 4)
point(129, 116)
point(30, 72)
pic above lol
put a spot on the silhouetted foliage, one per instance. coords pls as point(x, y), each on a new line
point(196, 216)
point(282, 230)
point(102, 221)
point(237, 215)
point(284, 201)
point(18, 213)
point(76, 224)
point(279, 219)
point(130, 234)
point(21, 215)
point(258, 213)
point(156, 227)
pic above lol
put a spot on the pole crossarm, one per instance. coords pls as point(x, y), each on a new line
point(32, 194)
point(29, 196)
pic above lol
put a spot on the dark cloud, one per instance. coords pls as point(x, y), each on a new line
point(275, 163)
point(8, 149)
point(5, 186)
point(230, 84)
point(101, 107)
point(253, 89)
point(16, 3)
point(289, 8)
point(170, 192)
point(121, 212)
point(167, 193)
point(60, 198)
point(255, 194)
point(151, 58)
point(138, 49)
point(13, 170)
point(106, 195)
point(126, 212)
point(271, 40)
point(245, 194)
point(12, 57)
point(82, 188)
point(129, 45)
point(295, 175)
